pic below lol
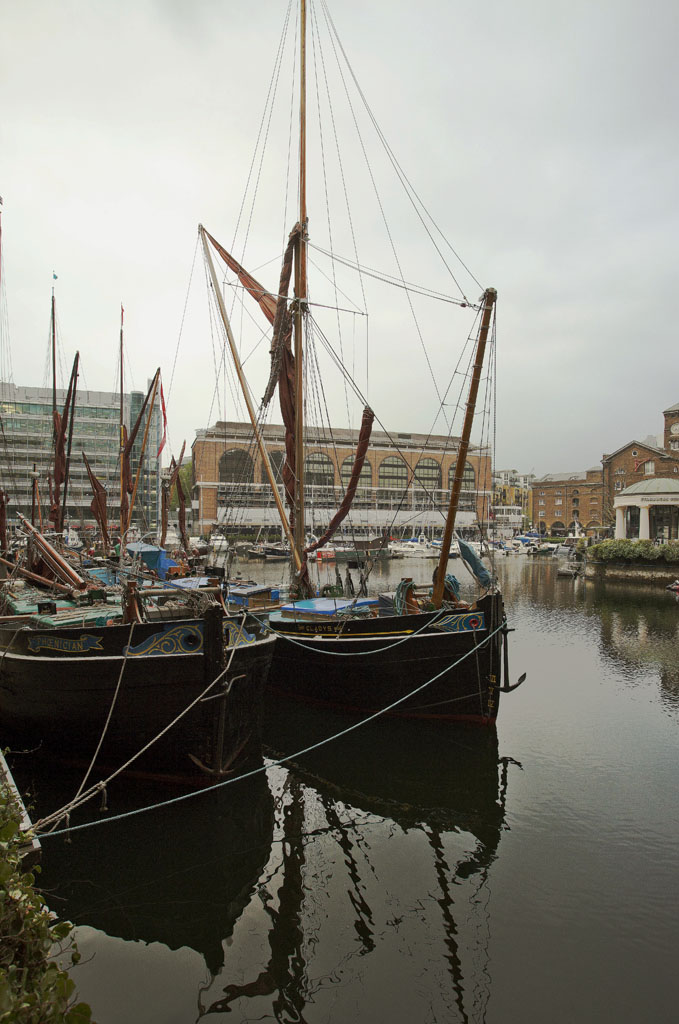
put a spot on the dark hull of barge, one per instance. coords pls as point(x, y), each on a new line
point(363, 666)
point(58, 686)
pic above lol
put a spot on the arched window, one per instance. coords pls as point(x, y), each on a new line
point(467, 496)
point(276, 459)
point(393, 474)
point(366, 476)
point(236, 467)
point(319, 470)
point(428, 475)
point(468, 478)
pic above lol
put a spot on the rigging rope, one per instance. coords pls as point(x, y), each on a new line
point(278, 761)
point(97, 787)
point(410, 191)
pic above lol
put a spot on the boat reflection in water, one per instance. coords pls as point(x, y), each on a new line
point(180, 875)
point(383, 843)
point(351, 882)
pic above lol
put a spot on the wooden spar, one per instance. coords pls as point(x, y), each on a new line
point(141, 455)
point(56, 562)
point(122, 431)
point(34, 488)
point(36, 578)
point(248, 401)
point(302, 141)
point(301, 294)
point(74, 378)
point(53, 321)
point(489, 298)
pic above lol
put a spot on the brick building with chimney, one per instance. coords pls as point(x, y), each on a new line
point(591, 501)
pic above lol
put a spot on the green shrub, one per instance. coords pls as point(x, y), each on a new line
point(634, 551)
point(33, 988)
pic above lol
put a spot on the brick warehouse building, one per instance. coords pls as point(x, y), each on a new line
point(229, 474)
point(568, 502)
point(589, 499)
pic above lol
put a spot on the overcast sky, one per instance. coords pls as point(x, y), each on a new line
point(541, 136)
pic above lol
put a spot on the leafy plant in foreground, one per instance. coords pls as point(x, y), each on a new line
point(33, 988)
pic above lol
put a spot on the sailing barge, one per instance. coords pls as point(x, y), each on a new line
point(427, 665)
point(421, 654)
point(76, 676)
point(162, 679)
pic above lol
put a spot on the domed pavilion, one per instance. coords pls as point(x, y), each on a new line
point(648, 510)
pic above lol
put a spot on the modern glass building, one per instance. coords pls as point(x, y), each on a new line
point(27, 453)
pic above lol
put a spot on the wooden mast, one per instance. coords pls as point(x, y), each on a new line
point(301, 296)
point(122, 435)
point(74, 381)
point(489, 298)
point(149, 414)
point(248, 401)
point(53, 331)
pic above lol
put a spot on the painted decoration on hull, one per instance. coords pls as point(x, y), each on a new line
point(82, 645)
point(171, 640)
point(237, 635)
point(465, 623)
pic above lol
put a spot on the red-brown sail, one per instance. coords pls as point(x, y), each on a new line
point(181, 515)
point(275, 309)
point(128, 445)
point(175, 466)
point(266, 300)
point(3, 521)
point(359, 460)
point(98, 505)
point(61, 421)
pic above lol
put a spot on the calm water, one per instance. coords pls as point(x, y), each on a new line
point(405, 875)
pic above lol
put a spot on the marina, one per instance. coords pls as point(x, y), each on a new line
point(319, 714)
point(402, 874)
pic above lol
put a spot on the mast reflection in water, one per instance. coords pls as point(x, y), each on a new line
point(347, 929)
point(405, 873)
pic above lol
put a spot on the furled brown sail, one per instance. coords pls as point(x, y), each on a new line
point(361, 450)
point(98, 505)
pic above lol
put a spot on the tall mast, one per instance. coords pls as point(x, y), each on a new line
point(53, 331)
point(140, 465)
point(248, 401)
point(122, 432)
point(301, 294)
point(74, 378)
point(489, 297)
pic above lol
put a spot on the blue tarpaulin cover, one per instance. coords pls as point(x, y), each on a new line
point(153, 557)
point(474, 563)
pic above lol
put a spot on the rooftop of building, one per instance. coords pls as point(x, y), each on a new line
point(227, 430)
point(656, 485)
point(561, 477)
point(651, 442)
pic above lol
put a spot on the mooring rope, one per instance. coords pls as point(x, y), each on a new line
point(350, 654)
point(109, 716)
point(82, 798)
point(262, 768)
